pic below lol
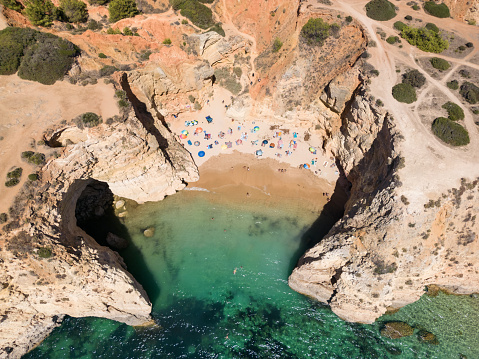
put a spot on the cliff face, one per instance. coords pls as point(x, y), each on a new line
point(49, 266)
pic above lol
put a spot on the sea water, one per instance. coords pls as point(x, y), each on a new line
point(216, 274)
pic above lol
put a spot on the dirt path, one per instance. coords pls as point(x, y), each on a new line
point(431, 165)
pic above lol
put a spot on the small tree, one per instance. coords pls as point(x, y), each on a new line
point(277, 44)
point(439, 63)
point(167, 41)
point(315, 31)
point(404, 93)
point(74, 10)
point(122, 9)
point(414, 78)
point(454, 111)
point(41, 12)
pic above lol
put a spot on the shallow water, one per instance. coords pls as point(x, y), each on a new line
point(219, 290)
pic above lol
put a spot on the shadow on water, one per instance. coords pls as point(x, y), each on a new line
point(332, 212)
point(98, 227)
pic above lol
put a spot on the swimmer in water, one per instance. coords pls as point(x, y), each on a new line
point(234, 272)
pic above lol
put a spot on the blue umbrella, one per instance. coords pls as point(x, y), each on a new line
point(201, 153)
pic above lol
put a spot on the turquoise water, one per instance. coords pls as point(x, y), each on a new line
point(219, 290)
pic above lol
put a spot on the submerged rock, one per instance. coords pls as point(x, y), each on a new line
point(149, 232)
point(116, 242)
point(395, 330)
point(427, 337)
point(120, 203)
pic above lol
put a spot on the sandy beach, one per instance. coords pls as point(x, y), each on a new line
point(288, 144)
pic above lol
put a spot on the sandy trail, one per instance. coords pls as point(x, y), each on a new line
point(29, 108)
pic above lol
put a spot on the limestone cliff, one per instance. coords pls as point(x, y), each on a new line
point(50, 267)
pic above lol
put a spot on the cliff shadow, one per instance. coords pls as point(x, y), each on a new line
point(146, 118)
point(332, 212)
point(95, 214)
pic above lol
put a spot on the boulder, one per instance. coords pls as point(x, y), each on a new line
point(149, 232)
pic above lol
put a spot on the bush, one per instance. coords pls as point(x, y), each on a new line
point(33, 177)
point(3, 218)
point(112, 31)
point(437, 10)
point(101, 55)
point(107, 70)
point(454, 111)
point(450, 132)
point(167, 41)
point(237, 71)
point(414, 78)
point(94, 25)
point(41, 12)
point(469, 44)
point(184, 22)
point(392, 40)
point(277, 44)
point(432, 27)
point(48, 60)
point(44, 252)
point(16, 173)
point(440, 64)
point(127, 31)
point(424, 39)
point(38, 56)
point(199, 14)
point(90, 119)
point(74, 10)
point(122, 9)
point(12, 182)
point(35, 158)
point(453, 85)
point(218, 29)
point(349, 19)
point(12, 5)
point(404, 93)
point(408, 17)
point(315, 31)
point(98, 2)
point(399, 25)
point(381, 10)
point(470, 92)
point(415, 7)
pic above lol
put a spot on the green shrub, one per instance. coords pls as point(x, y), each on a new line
point(470, 92)
point(44, 252)
point(122, 9)
point(3, 218)
point(16, 173)
point(167, 41)
point(101, 55)
point(440, 64)
point(112, 31)
point(392, 40)
point(454, 111)
point(41, 12)
point(38, 56)
point(277, 44)
point(199, 14)
point(453, 85)
point(450, 132)
point(414, 78)
point(12, 182)
point(184, 22)
point(415, 7)
point(35, 158)
point(432, 27)
point(315, 31)
point(349, 19)
point(408, 17)
point(218, 29)
point(381, 10)
point(469, 44)
point(404, 93)
point(98, 2)
point(48, 60)
point(424, 39)
point(107, 70)
point(90, 119)
point(94, 25)
point(12, 5)
point(74, 10)
point(399, 25)
point(437, 10)
point(33, 177)
point(127, 31)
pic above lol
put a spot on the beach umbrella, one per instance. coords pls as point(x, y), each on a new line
point(184, 132)
point(199, 130)
point(224, 147)
point(197, 143)
point(306, 165)
point(259, 153)
point(265, 142)
point(183, 136)
point(201, 154)
point(271, 145)
point(312, 150)
point(194, 123)
point(256, 128)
